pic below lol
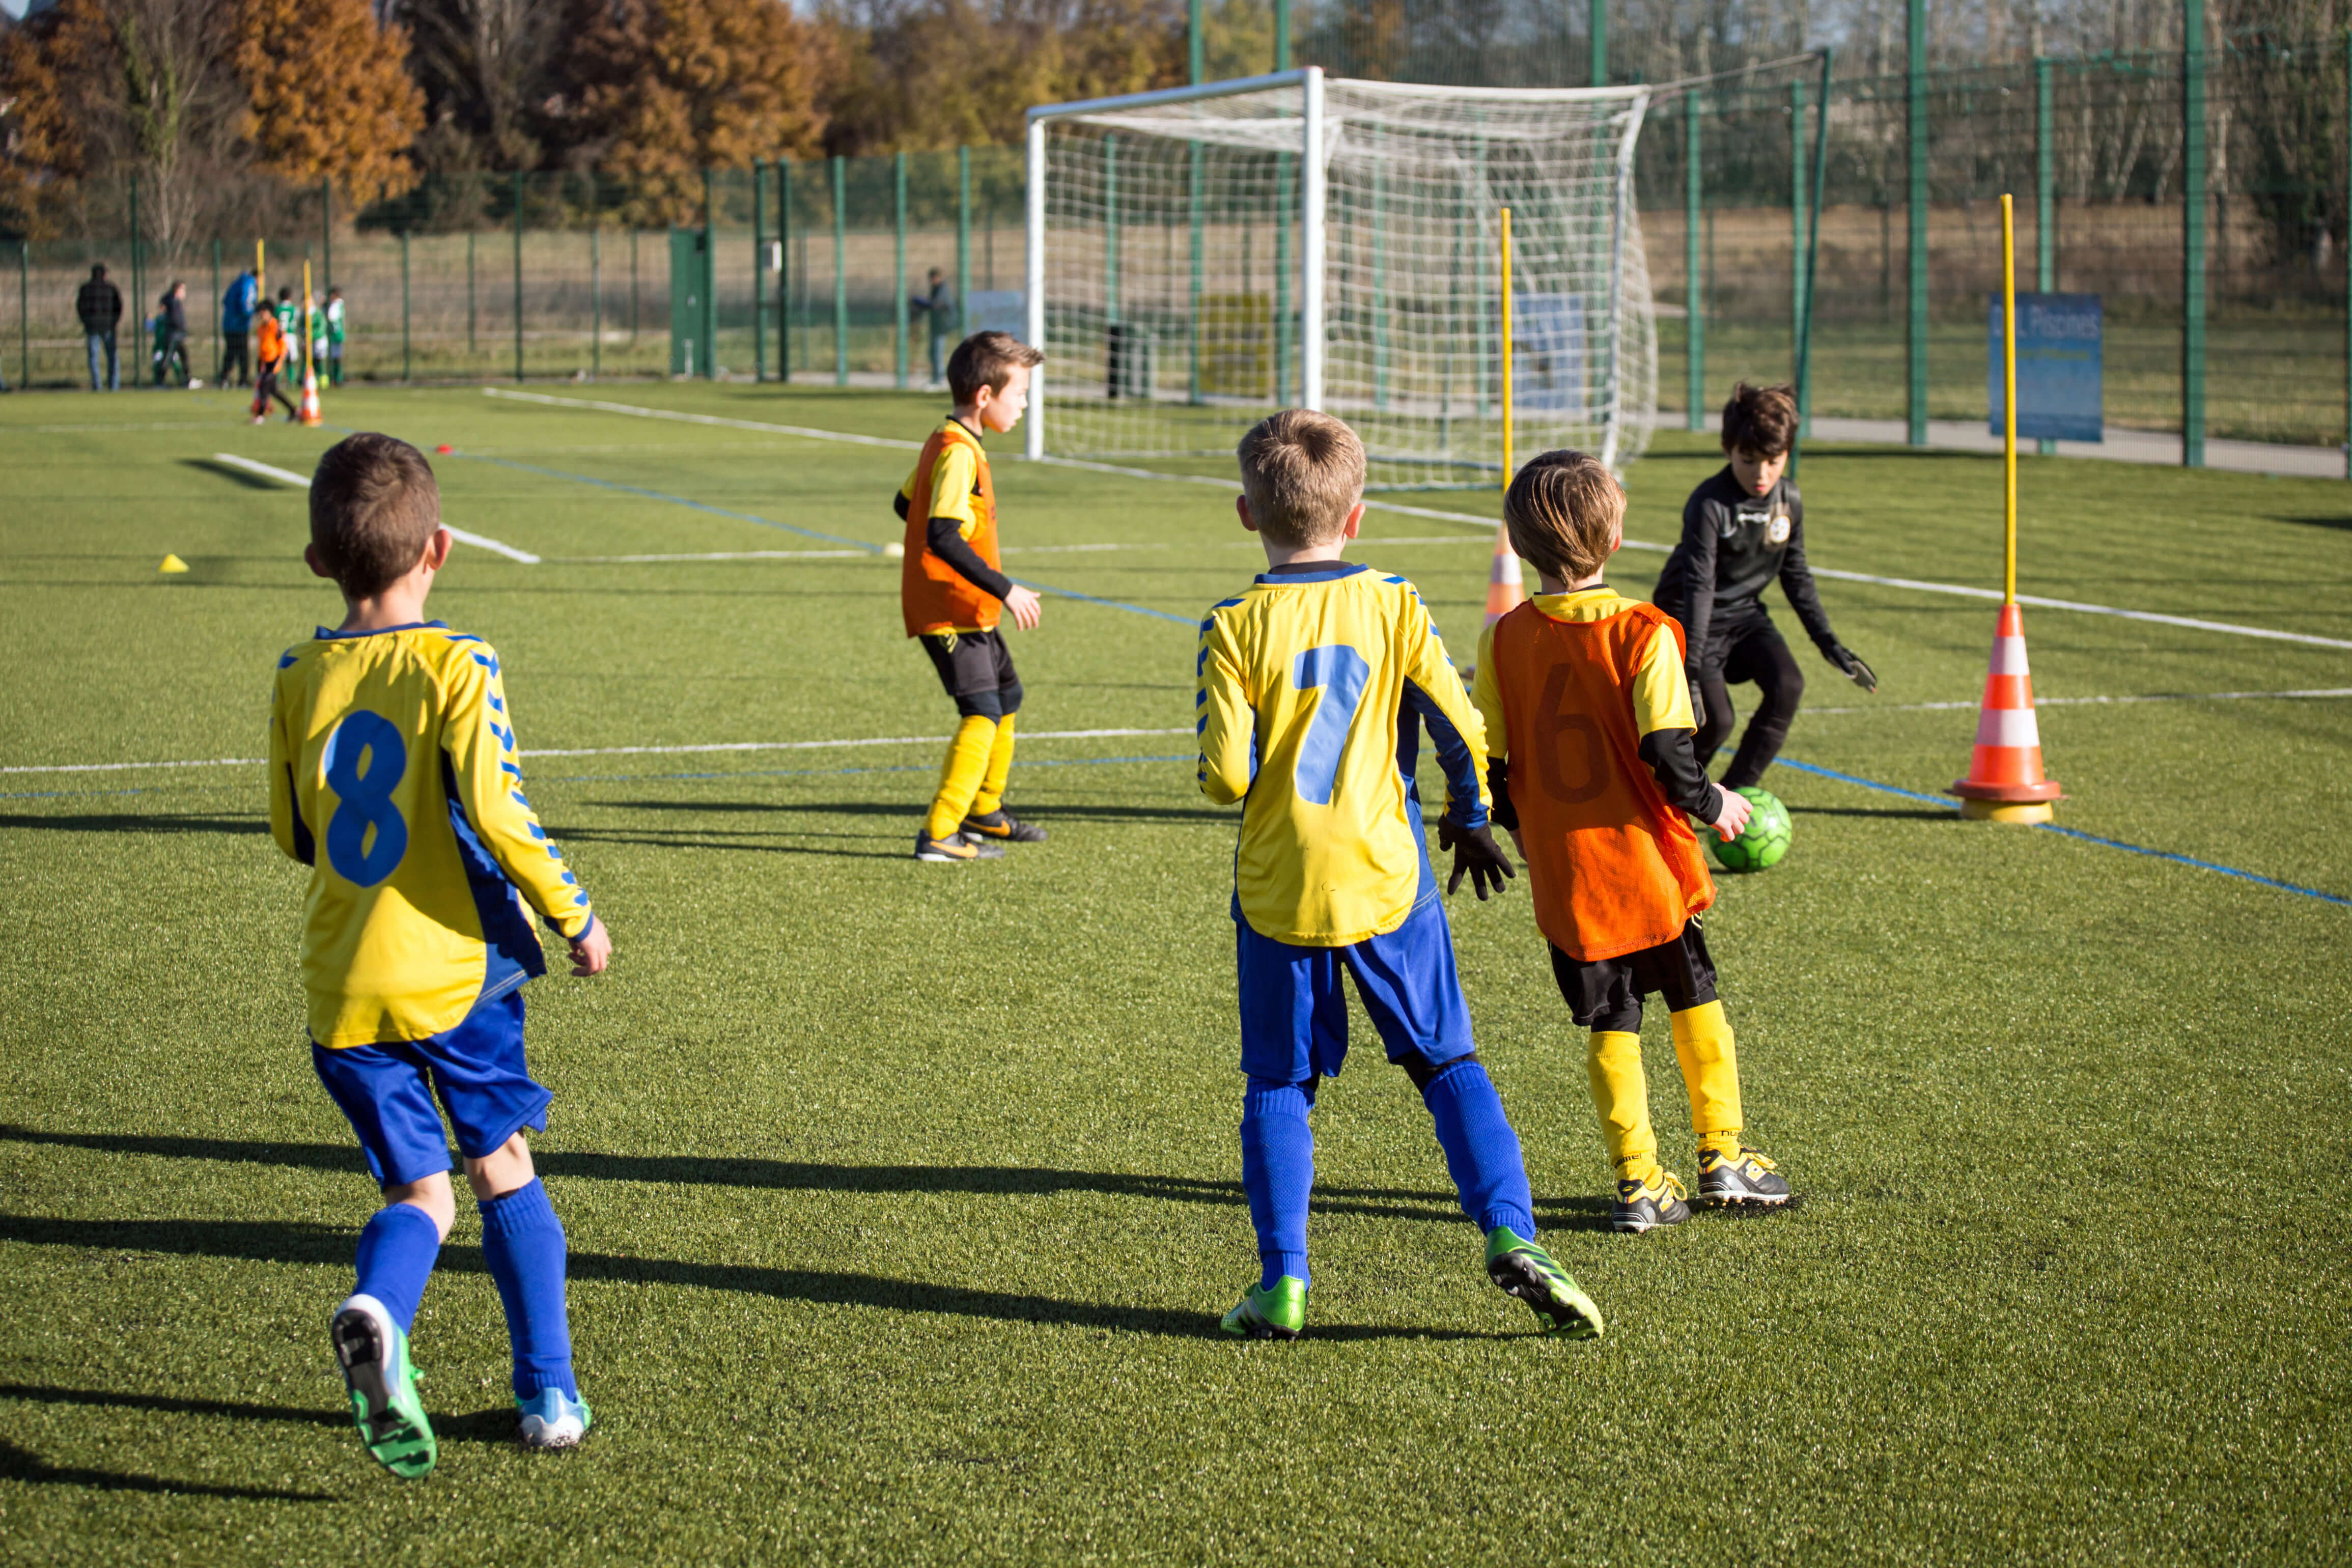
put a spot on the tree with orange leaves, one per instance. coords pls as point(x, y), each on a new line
point(330, 95)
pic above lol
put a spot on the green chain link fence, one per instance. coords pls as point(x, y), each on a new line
point(2221, 267)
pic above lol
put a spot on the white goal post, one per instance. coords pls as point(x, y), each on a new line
point(1199, 257)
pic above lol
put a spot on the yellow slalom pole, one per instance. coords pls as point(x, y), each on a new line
point(2008, 401)
point(1506, 348)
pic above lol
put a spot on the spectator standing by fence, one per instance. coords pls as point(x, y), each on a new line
point(939, 312)
point(334, 317)
point(171, 338)
point(237, 323)
point(100, 306)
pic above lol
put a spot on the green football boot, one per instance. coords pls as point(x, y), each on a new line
point(1526, 1270)
point(1276, 1314)
point(373, 1354)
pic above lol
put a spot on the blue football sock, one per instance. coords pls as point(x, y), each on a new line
point(522, 1241)
point(1277, 1172)
point(1481, 1151)
point(397, 1246)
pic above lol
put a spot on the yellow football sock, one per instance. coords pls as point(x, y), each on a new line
point(960, 775)
point(1000, 768)
point(1613, 1060)
point(1711, 1073)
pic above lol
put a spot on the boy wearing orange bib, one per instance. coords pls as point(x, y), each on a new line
point(1589, 729)
point(952, 590)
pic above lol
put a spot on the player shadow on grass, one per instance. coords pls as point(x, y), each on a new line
point(724, 838)
point(133, 821)
point(22, 1465)
point(789, 1175)
point(1916, 813)
point(273, 1241)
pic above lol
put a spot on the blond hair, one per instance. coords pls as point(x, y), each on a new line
point(1303, 473)
point(1561, 509)
point(374, 506)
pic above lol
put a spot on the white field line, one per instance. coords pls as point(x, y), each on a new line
point(1007, 550)
point(621, 750)
point(731, 555)
point(282, 476)
point(1913, 583)
point(2092, 701)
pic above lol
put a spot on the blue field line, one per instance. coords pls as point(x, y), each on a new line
point(838, 773)
point(868, 545)
point(1947, 801)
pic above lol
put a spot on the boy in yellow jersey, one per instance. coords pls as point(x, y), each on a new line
point(951, 589)
point(1316, 682)
point(394, 777)
point(1589, 720)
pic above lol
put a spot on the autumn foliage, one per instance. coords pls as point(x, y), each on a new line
point(328, 96)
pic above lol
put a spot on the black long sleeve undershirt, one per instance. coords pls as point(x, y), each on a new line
point(944, 538)
point(1672, 762)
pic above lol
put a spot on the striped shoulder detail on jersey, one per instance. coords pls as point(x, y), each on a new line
point(286, 660)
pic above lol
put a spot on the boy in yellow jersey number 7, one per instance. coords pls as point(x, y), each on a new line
point(1583, 693)
point(1314, 685)
point(393, 775)
point(951, 588)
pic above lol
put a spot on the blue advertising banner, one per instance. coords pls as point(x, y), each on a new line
point(2058, 390)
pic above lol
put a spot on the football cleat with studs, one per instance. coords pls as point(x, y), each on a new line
point(1744, 1177)
point(1004, 828)
point(1645, 1203)
point(373, 1354)
point(553, 1419)
point(954, 847)
point(1526, 1270)
point(1276, 1314)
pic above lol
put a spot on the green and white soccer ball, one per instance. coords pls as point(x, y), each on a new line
point(1761, 843)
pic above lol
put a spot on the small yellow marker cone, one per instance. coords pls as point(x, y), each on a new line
point(173, 564)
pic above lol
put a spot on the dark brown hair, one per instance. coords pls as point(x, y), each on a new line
point(1761, 420)
point(1561, 509)
point(989, 360)
point(1303, 473)
point(374, 509)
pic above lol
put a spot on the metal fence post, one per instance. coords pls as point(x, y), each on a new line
point(1694, 274)
point(840, 277)
point(710, 282)
point(1915, 330)
point(899, 232)
point(596, 297)
point(518, 272)
point(1796, 220)
point(326, 233)
point(1598, 27)
point(759, 271)
point(2046, 201)
point(138, 288)
point(1282, 35)
point(473, 315)
point(212, 326)
point(963, 236)
point(408, 354)
point(2192, 236)
point(1192, 297)
point(25, 313)
point(784, 271)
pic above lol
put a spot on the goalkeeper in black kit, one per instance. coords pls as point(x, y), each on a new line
point(1741, 529)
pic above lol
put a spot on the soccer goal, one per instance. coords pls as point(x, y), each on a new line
point(1199, 257)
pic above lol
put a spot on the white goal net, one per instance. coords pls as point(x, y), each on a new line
point(1201, 257)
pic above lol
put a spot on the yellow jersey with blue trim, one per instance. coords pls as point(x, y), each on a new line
point(394, 777)
point(1315, 685)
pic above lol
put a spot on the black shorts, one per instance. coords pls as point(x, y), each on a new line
point(976, 668)
point(1606, 993)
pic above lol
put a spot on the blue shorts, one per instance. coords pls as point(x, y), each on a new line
point(477, 1069)
point(1295, 1015)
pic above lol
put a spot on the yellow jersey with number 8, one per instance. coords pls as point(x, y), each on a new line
point(394, 777)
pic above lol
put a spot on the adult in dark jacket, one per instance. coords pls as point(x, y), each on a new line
point(100, 306)
point(1742, 529)
point(237, 325)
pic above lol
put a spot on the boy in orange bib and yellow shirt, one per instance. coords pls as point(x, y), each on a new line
point(1589, 728)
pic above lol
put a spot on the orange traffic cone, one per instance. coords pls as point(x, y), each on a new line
point(311, 412)
point(1503, 589)
point(2005, 781)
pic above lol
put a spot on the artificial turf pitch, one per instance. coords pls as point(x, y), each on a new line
point(903, 1198)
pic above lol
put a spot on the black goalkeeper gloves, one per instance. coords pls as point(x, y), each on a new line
point(1850, 664)
point(1699, 708)
point(1477, 854)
